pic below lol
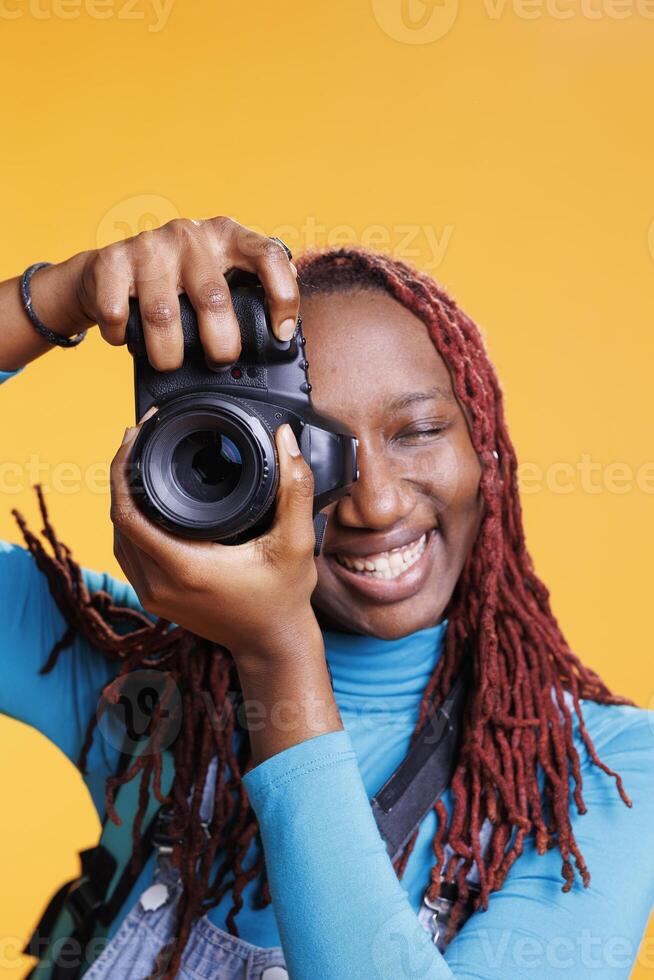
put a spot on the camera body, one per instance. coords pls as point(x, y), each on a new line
point(205, 465)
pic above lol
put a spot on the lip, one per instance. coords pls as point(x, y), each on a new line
point(391, 541)
point(389, 590)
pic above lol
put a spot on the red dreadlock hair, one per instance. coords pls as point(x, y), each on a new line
point(512, 725)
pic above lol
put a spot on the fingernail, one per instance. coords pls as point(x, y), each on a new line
point(127, 436)
point(286, 329)
point(150, 412)
point(289, 440)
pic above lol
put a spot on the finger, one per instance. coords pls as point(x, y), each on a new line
point(160, 316)
point(143, 573)
point(279, 281)
point(106, 287)
point(146, 415)
point(209, 293)
point(292, 528)
point(122, 554)
point(127, 517)
point(266, 258)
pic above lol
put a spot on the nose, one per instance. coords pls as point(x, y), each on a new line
point(380, 498)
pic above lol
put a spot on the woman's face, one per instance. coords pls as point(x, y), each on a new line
point(396, 545)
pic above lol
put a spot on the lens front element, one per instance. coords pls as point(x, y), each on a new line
point(207, 465)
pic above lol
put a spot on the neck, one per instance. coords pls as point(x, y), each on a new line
point(370, 668)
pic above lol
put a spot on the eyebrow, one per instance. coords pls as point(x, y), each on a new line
point(432, 394)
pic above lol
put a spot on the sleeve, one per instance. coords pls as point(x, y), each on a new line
point(340, 909)
point(58, 704)
point(342, 913)
point(533, 928)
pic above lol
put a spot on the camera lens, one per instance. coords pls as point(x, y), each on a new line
point(207, 465)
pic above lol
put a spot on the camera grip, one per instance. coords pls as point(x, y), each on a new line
point(136, 339)
point(257, 341)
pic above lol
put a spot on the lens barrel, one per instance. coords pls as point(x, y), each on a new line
point(205, 467)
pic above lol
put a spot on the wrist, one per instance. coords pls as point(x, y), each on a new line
point(56, 297)
point(294, 640)
point(287, 704)
point(287, 690)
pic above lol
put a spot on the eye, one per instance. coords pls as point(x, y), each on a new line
point(423, 432)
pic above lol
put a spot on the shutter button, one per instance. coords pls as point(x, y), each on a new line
point(274, 973)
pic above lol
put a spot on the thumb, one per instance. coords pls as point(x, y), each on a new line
point(293, 524)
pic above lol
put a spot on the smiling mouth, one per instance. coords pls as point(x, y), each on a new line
point(385, 564)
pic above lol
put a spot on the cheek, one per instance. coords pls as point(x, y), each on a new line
point(451, 476)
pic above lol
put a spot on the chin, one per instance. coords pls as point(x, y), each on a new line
point(388, 622)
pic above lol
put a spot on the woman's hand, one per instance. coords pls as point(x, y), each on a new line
point(253, 598)
point(155, 266)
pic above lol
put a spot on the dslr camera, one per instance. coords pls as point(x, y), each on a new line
point(205, 465)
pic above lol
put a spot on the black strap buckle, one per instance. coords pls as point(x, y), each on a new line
point(434, 915)
point(83, 904)
point(80, 897)
point(449, 890)
point(162, 837)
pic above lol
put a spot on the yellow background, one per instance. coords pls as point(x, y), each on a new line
point(521, 139)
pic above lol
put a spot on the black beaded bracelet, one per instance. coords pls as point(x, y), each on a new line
point(26, 296)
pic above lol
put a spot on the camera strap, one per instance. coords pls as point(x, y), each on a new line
point(401, 804)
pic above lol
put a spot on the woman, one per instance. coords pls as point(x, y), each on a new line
point(424, 574)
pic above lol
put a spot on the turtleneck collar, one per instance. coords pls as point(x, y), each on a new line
point(367, 667)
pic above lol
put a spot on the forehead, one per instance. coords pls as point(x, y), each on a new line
point(366, 350)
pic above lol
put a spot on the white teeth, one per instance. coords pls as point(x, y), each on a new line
point(387, 564)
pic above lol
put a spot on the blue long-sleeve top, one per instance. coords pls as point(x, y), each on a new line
point(339, 910)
